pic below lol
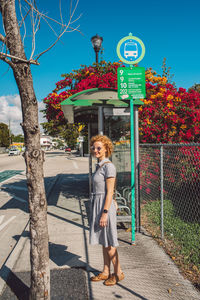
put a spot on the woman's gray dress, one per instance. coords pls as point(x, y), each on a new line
point(106, 236)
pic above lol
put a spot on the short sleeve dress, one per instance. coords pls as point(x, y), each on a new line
point(106, 236)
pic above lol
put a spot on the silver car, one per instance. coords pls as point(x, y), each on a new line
point(14, 151)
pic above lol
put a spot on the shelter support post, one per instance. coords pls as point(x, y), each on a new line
point(100, 120)
point(90, 159)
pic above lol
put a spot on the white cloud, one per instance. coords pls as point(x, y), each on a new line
point(11, 112)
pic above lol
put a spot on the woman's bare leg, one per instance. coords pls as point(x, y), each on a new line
point(113, 256)
point(106, 260)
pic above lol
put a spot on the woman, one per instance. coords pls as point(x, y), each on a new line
point(103, 226)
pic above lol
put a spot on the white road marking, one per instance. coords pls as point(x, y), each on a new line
point(75, 165)
point(1, 219)
point(7, 222)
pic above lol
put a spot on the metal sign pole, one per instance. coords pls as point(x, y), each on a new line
point(137, 191)
point(131, 85)
point(132, 172)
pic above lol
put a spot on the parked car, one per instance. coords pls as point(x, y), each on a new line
point(68, 149)
point(14, 151)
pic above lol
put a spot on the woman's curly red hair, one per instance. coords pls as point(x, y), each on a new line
point(105, 141)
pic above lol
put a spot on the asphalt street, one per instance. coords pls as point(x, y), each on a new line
point(13, 203)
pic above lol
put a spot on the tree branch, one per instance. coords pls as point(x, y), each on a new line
point(9, 62)
point(2, 38)
point(35, 26)
point(23, 18)
point(59, 23)
point(4, 56)
point(66, 27)
point(39, 55)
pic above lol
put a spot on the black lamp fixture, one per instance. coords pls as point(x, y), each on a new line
point(96, 43)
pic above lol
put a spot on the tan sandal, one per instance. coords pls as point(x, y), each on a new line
point(99, 277)
point(114, 279)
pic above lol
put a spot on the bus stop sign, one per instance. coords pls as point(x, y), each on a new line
point(130, 50)
point(131, 83)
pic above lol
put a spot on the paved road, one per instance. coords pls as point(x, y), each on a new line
point(14, 196)
point(13, 203)
point(11, 162)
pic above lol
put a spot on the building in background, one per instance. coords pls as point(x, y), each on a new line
point(46, 142)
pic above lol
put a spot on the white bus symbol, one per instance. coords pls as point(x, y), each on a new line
point(130, 49)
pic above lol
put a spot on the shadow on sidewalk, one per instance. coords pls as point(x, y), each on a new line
point(69, 186)
point(67, 220)
point(14, 285)
point(19, 193)
point(132, 292)
point(61, 257)
point(73, 186)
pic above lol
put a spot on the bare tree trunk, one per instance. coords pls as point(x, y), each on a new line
point(40, 274)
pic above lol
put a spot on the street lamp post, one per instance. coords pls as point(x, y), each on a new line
point(96, 43)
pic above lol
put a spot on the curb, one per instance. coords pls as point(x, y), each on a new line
point(12, 259)
point(5, 181)
point(48, 192)
point(16, 251)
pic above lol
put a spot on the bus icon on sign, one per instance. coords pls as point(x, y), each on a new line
point(130, 49)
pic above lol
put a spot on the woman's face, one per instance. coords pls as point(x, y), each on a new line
point(99, 150)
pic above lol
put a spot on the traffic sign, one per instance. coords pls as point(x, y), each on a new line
point(130, 49)
point(131, 83)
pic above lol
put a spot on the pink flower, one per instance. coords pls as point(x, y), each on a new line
point(148, 191)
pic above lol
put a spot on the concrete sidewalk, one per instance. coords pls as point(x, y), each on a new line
point(149, 273)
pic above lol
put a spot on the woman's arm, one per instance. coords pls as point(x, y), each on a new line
point(110, 183)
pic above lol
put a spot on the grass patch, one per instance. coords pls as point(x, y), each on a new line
point(181, 239)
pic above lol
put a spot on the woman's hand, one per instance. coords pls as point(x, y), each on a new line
point(104, 220)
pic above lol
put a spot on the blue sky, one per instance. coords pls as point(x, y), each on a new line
point(167, 28)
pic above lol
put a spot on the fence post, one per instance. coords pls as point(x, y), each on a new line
point(161, 192)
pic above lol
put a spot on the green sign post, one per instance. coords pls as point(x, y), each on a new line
point(131, 85)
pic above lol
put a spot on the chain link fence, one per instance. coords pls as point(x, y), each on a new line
point(170, 197)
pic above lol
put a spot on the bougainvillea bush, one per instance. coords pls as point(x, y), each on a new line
point(169, 115)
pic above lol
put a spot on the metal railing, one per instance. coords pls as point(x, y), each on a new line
point(170, 193)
